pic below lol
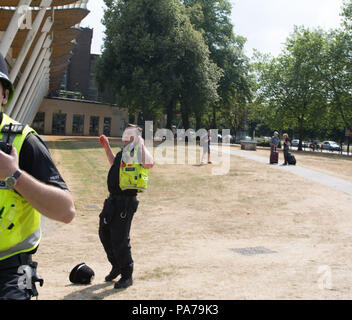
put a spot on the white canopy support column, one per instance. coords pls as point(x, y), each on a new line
point(36, 97)
point(36, 100)
point(38, 72)
point(30, 38)
point(44, 69)
point(43, 42)
point(33, 91)
point(15, 23)
point(27, 87)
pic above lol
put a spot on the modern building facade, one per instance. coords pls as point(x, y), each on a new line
point(46, 51)
point(79, 68)
point(77, 108)
point(79, 80)
point(59, 116)
point(36, 39)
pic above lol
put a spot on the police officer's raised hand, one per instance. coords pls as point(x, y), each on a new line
point(104, 141)
point(8, 163)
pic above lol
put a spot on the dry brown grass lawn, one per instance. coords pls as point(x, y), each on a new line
point(189, 222)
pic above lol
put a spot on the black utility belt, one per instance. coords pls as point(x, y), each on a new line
point(15, 261)
point(121, 196)
point(121, 205)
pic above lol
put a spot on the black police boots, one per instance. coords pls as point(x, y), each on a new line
point(126, 278)
point(115, 271)
point(123, 283)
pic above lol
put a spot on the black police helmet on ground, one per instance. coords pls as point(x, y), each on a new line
point(5, 79)
point(81, 274)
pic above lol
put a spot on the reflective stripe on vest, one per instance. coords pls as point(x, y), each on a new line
point(19, 221)
point(28, 244)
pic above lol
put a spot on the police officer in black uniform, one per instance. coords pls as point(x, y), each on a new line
point(40, 184)
point(119, 208)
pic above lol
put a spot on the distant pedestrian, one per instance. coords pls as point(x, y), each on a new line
point(206, 147)
point(274, 143)
point(286, 143)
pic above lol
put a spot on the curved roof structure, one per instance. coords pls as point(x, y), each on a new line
point(63, 18)
point(31, 52)
point(36, 3)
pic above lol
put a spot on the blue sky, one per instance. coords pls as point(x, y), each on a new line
point(265, 23)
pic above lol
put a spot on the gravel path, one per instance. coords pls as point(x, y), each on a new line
point(321, 178)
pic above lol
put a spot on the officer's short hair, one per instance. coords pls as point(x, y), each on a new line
point(131, 128)
point(131, 125)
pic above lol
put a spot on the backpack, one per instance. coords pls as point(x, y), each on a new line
point(291, 159)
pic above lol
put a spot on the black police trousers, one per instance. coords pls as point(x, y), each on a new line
point(17, 278)
point(286, 151)
point(114, 231)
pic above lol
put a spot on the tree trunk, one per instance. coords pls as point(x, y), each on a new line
point(185, 116)
point(214, 126)
point(170, 114)
point(300, 133)
point(198, 121)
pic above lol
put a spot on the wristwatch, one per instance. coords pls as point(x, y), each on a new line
point(11, 181)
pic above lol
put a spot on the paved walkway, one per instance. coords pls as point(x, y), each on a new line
point(321, 178)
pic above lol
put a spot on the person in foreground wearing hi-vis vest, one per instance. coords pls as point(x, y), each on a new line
point(30, 185)
point(128, 175)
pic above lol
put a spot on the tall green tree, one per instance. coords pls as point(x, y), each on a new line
point(334, 65)
point(290, 87)
point(226, 50)
point(151, 57)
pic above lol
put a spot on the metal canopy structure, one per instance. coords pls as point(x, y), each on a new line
point(36, 3)
point(37, 38)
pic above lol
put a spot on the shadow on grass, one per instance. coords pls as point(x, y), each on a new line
point(91, 292)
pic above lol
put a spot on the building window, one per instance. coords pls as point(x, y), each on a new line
point(107, 126)
point(94, 126)
point(38, 122)
point(78, 124)
point(59, 124)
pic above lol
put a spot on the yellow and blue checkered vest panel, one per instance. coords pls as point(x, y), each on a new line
point(133, 176)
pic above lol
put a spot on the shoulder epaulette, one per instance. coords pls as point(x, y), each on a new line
point(13, 128)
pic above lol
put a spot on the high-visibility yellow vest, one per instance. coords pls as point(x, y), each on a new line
point(19, 221)
point(133, 176)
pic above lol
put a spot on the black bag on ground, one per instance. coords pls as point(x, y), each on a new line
point(291, 159)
